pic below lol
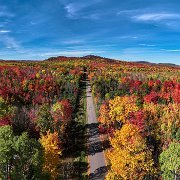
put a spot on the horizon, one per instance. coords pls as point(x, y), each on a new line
point(122, 60)
point(131, 31)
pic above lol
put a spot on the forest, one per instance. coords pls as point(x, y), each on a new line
point(43, 118)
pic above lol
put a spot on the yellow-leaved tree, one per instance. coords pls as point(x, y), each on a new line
point(129, 156)
point(52, 153)
point(120, 107)
point(170, 124)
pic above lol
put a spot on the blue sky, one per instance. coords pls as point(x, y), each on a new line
point(122, 29)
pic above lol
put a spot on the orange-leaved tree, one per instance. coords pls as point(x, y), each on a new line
point(104, 117)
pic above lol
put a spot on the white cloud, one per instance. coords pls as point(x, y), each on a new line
point(128, 37)
point(171, 50)
point(76, 10)
point(71, 42)
point(71, 10)
point(156, 16)
point(10, 42)
point(126, 12)
point(147, 15)
point(5, 31)
point(147, 45)
point(33, 23)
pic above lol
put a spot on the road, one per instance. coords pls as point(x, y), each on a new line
point(95, 151)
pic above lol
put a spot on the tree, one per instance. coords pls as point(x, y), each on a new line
point(44, 119)
point(104, 114)
point(170, 161)
point(170, 124)
point(129, 157)
point(62, 111)
point(28, 158)
point(52, 152)
point(20, 156)
point(6, 150)
point(121, 107)
point(6, 112)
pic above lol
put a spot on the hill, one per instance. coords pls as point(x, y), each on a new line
point(109, 60)
point(94, 58)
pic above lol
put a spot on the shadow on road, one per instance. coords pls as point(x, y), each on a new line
point(95, 145)
point(92, 130)
point(99, 173)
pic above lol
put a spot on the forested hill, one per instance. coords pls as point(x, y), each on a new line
point(94, 58)
point(109, 60)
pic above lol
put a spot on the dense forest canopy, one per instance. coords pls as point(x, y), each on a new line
point(137, 104)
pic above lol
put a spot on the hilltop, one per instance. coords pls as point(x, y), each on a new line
point(94, 58)
point(109, 60)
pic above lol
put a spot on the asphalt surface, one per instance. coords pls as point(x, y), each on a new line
point(95, 150)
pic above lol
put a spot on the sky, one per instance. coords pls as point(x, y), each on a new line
point(133, 30)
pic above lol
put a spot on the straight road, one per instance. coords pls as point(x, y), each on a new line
point(95, 150)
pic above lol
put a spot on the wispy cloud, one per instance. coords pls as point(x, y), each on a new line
point(171, 50)
point(128, 37)
point(5, 16)
point(156, 16)
point(76, 10)
point(72, 42)
point(5, 31)
point(147, 45)
point(71, 10)
point(10, 42)
point(4, 12)
point(122, 12)
point(153, 16)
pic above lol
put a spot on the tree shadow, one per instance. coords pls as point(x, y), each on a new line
point(76, 142)
point(75, 138)
point(92, 130)
point(82, 140)
point(99, 173)
point(80, 169)
point(73, 170)
point(97, 147)
point(94, 144)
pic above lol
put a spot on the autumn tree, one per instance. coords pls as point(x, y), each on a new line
point(129, 156)
point(52, 153)
point(6, 112)
point(104, 114)
point(121, 107)
point(62, 111)
point(170, 124)
point(152, 113)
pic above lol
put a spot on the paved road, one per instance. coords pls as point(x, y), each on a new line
point(95, 150)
